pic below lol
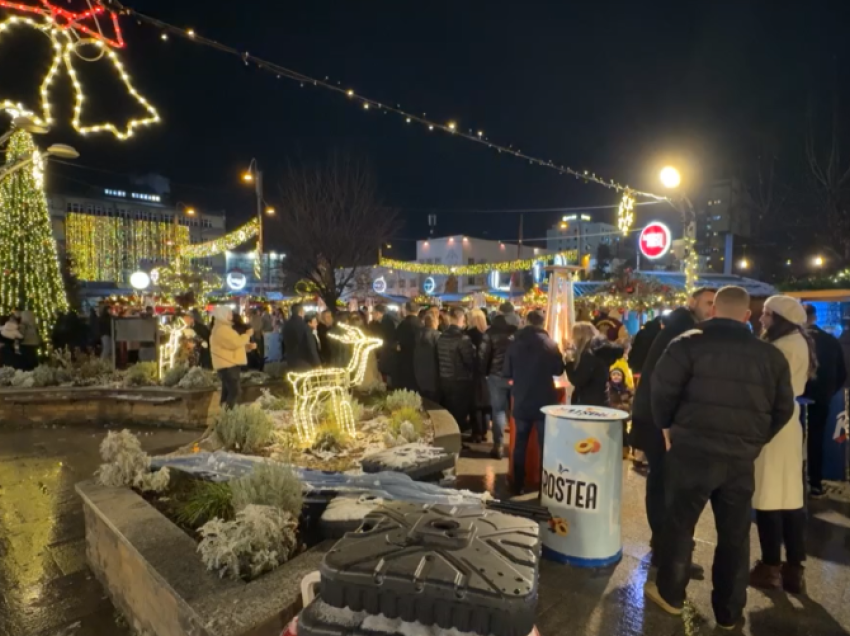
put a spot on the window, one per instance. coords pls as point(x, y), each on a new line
point(402, 283)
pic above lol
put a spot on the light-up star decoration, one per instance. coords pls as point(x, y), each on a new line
point(68, 30)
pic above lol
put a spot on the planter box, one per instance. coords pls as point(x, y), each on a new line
point(446, 429)
point(146, 406)
point(154, 575)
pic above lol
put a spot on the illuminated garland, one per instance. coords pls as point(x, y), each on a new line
point(626, 213)
point(475, 270)
point(691, 264)
point(177, 279)
point(636, 293)
point(111, 248)
point(168, 351)
point(223, 243)
point(313, 387)
point(29, 264)
point(536, 297)
point(64, 41)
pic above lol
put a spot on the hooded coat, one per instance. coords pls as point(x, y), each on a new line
point(227, 347)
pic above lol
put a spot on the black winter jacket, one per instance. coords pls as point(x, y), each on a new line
point(302, 351)
point(644, 434)
point(456, 356)
point(425, 363)
point(499, 338)
point(723, 392)
point(532, 362)
point(831, 373)
point(643, 343)
point(386, 354)
point(589, 375)
point(405, 336)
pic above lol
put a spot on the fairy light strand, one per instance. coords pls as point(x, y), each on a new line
point(518, 265)
point(450, 127)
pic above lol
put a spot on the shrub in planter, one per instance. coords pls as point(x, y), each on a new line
point(329, 440)
point(244, 428)
point(94, 368)
point(6, 375)
point(250, 378)
point(127, 465)
point(141, 374)
point(175, 374)
point(197, 378)
point(43, 376)
point(206, 501)
point(269, 484)
point(330, 418)
point(23, 379)
point(404, 399)
point(270, 402)
point(258, 540)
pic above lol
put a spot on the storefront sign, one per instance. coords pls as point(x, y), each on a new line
point(236, 280)
point(380, 285)
point(655, 240)
point(429, 285)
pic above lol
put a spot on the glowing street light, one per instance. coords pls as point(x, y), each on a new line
point(247, 177)
point(818, 261)
point(744, 264)
point(670, 177)
point(270, 211)
point(140, 280)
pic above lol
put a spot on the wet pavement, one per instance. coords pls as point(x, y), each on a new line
point(47, 590)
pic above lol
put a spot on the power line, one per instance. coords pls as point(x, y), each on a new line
point(524, 210)
point(281, 71)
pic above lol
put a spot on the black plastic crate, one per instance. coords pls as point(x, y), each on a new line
point(467, 568)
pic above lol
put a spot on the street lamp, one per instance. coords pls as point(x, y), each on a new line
point(140, 280)
point(744, 264)
point(56, 150)
point(818, 261)
point(254, 175)
point(670, 177)
point(24, 122)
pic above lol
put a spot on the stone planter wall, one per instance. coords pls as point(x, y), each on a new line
point(147, 406)
point(152, 572)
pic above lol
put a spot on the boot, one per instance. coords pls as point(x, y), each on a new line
point(497, 452)
point(766, 577)
point(793, 578)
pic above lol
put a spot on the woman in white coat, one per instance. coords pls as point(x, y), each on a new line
point(778, 499)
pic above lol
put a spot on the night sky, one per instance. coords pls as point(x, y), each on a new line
point(619, 88)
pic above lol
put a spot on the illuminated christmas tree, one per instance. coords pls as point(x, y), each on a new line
point(30, 276)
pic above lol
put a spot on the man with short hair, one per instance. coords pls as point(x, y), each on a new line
point(511, 317)
point(301, 353)
point(719, 394)
point(644, 434)
point(456, 359)
point(532, 362)
point(829, 379)
point(406, 335)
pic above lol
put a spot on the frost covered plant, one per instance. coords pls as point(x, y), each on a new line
point(406, 434)
point(253, 377)
point(407, 415)
point(141, 374)
point(269, 484)
point(374, 386)
point(197, 378)
point(257, 541)
point(329, 440)
point(404, 399)
point(43, 375)
point(23, 379)
point(126, 464)
point(245, 428)
point(173, 376)
point(94, 368)
point(207, 500)
point(270, 402)
point(357, 411)
point(6, 375)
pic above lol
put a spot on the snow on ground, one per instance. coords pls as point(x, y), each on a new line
point(406, 455)
point(350, 507)
point(378, 623)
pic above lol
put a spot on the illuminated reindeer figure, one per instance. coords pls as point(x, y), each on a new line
point(313, 388)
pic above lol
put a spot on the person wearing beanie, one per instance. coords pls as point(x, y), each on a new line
point(778, 498)
point(821, 389)
point(719, 395)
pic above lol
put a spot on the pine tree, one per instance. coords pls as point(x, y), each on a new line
point(29, 264)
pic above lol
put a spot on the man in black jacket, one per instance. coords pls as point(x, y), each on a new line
point(386, 323)
point(456, 358)
point(830, 377)
point(406, 335)
point(643, 343)
point(493, 351)
point(644, 434)
point(302, 353)
point(533, 361)
point(719, 394)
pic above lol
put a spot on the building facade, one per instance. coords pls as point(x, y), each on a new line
point(111, 232)
point(580, 232)
point(723, 224)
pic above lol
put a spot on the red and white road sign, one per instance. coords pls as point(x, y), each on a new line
point(655, 240)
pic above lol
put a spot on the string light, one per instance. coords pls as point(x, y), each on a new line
point(478, 269)
point(313, 388)
point(64, 46)
point(451, 127)
point(227, 242)
point(691, 264)
point(108, 248)
point(168, 352)
point(29, 263)
point(72, 20)
point(626, 213)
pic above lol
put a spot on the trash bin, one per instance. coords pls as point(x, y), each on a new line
point(582, 482)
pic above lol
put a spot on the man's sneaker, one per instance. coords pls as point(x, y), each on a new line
point(696, 573)
point(650, 590)
point(817, 492)
point(497, 452)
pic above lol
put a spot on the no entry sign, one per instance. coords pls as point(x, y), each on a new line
point(655, 240)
